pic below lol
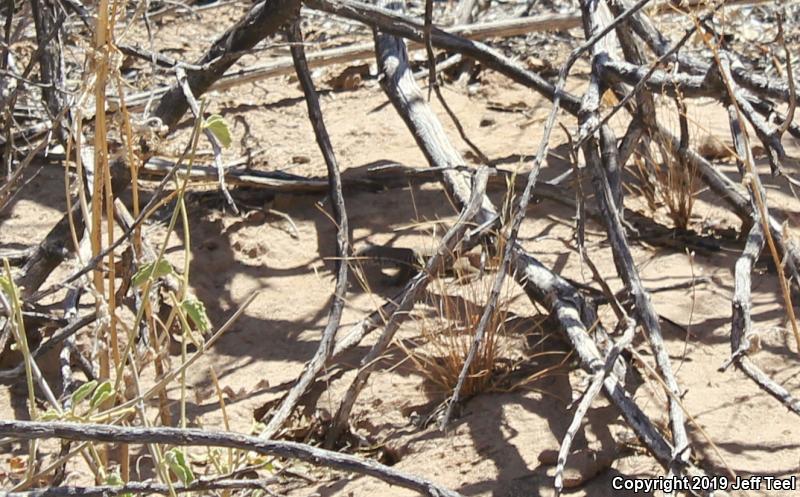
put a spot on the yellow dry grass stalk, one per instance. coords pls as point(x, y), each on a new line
point(447, 328)
point(665, 181)
point(446, 322)
point(447, 334)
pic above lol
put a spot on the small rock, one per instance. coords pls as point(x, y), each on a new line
point(210, 245)
point(487, 121)
point(256, 216)
point(350, 79)
point(255, 250)
point(300, 159)
point(541, 66)
point(713, 149)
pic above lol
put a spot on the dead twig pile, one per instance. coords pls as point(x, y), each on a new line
point(109, 141)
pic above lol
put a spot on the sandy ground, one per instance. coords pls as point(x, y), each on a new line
point(495, 444)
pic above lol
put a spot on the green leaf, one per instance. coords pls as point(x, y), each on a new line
point(177, 463)
point(160, 269)
point(196, 311)
point(116, 480)
point(83, 391)
point(103, 392)
point(50, 415)
point(7, 286)
point(219, 128)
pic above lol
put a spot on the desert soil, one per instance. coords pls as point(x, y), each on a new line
point(495, 445)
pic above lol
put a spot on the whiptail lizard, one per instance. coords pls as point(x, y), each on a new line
point(408, 262)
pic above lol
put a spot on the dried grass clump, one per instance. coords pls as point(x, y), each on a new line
point(666, 182)
point(446, 327)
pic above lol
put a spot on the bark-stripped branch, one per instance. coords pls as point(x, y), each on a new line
point(80, 432)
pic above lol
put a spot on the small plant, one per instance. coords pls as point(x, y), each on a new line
point(667, 182)
point(447, 335)
point(448, 319)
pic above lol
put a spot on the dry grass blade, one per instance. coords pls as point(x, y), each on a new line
point(445, 323)
point(446, 332)
point(666, 182)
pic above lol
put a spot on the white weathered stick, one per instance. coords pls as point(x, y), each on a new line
point(30, 430)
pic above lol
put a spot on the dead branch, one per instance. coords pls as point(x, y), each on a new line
point(48, 255)
point(147, 255)
point(31, 367)
point(59, 336)
point(283, 66)
point(270, 181)
point(57, 244)
point(405, 27)
point(749, 97)
point(47, 19)
point(736, 110)
point(573, 313)
point(756, 83)
point(120, 179)
point(623, 259)
point(340, 55)
point(521, 209)
point(742, 339)
point(443, 257)
point(787, 122)
point(202, 485)
point(30, 430)
point(464, 9)
point(263, 19)
point(365, 326)
point(323, 353)
point(588, 397)
point(433, 83)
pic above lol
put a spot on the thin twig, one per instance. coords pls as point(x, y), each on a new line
point(215, 144)
point(521, 209)
point(321, 356)
point(588, 397)
point(444, 255)
point(789, 78)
